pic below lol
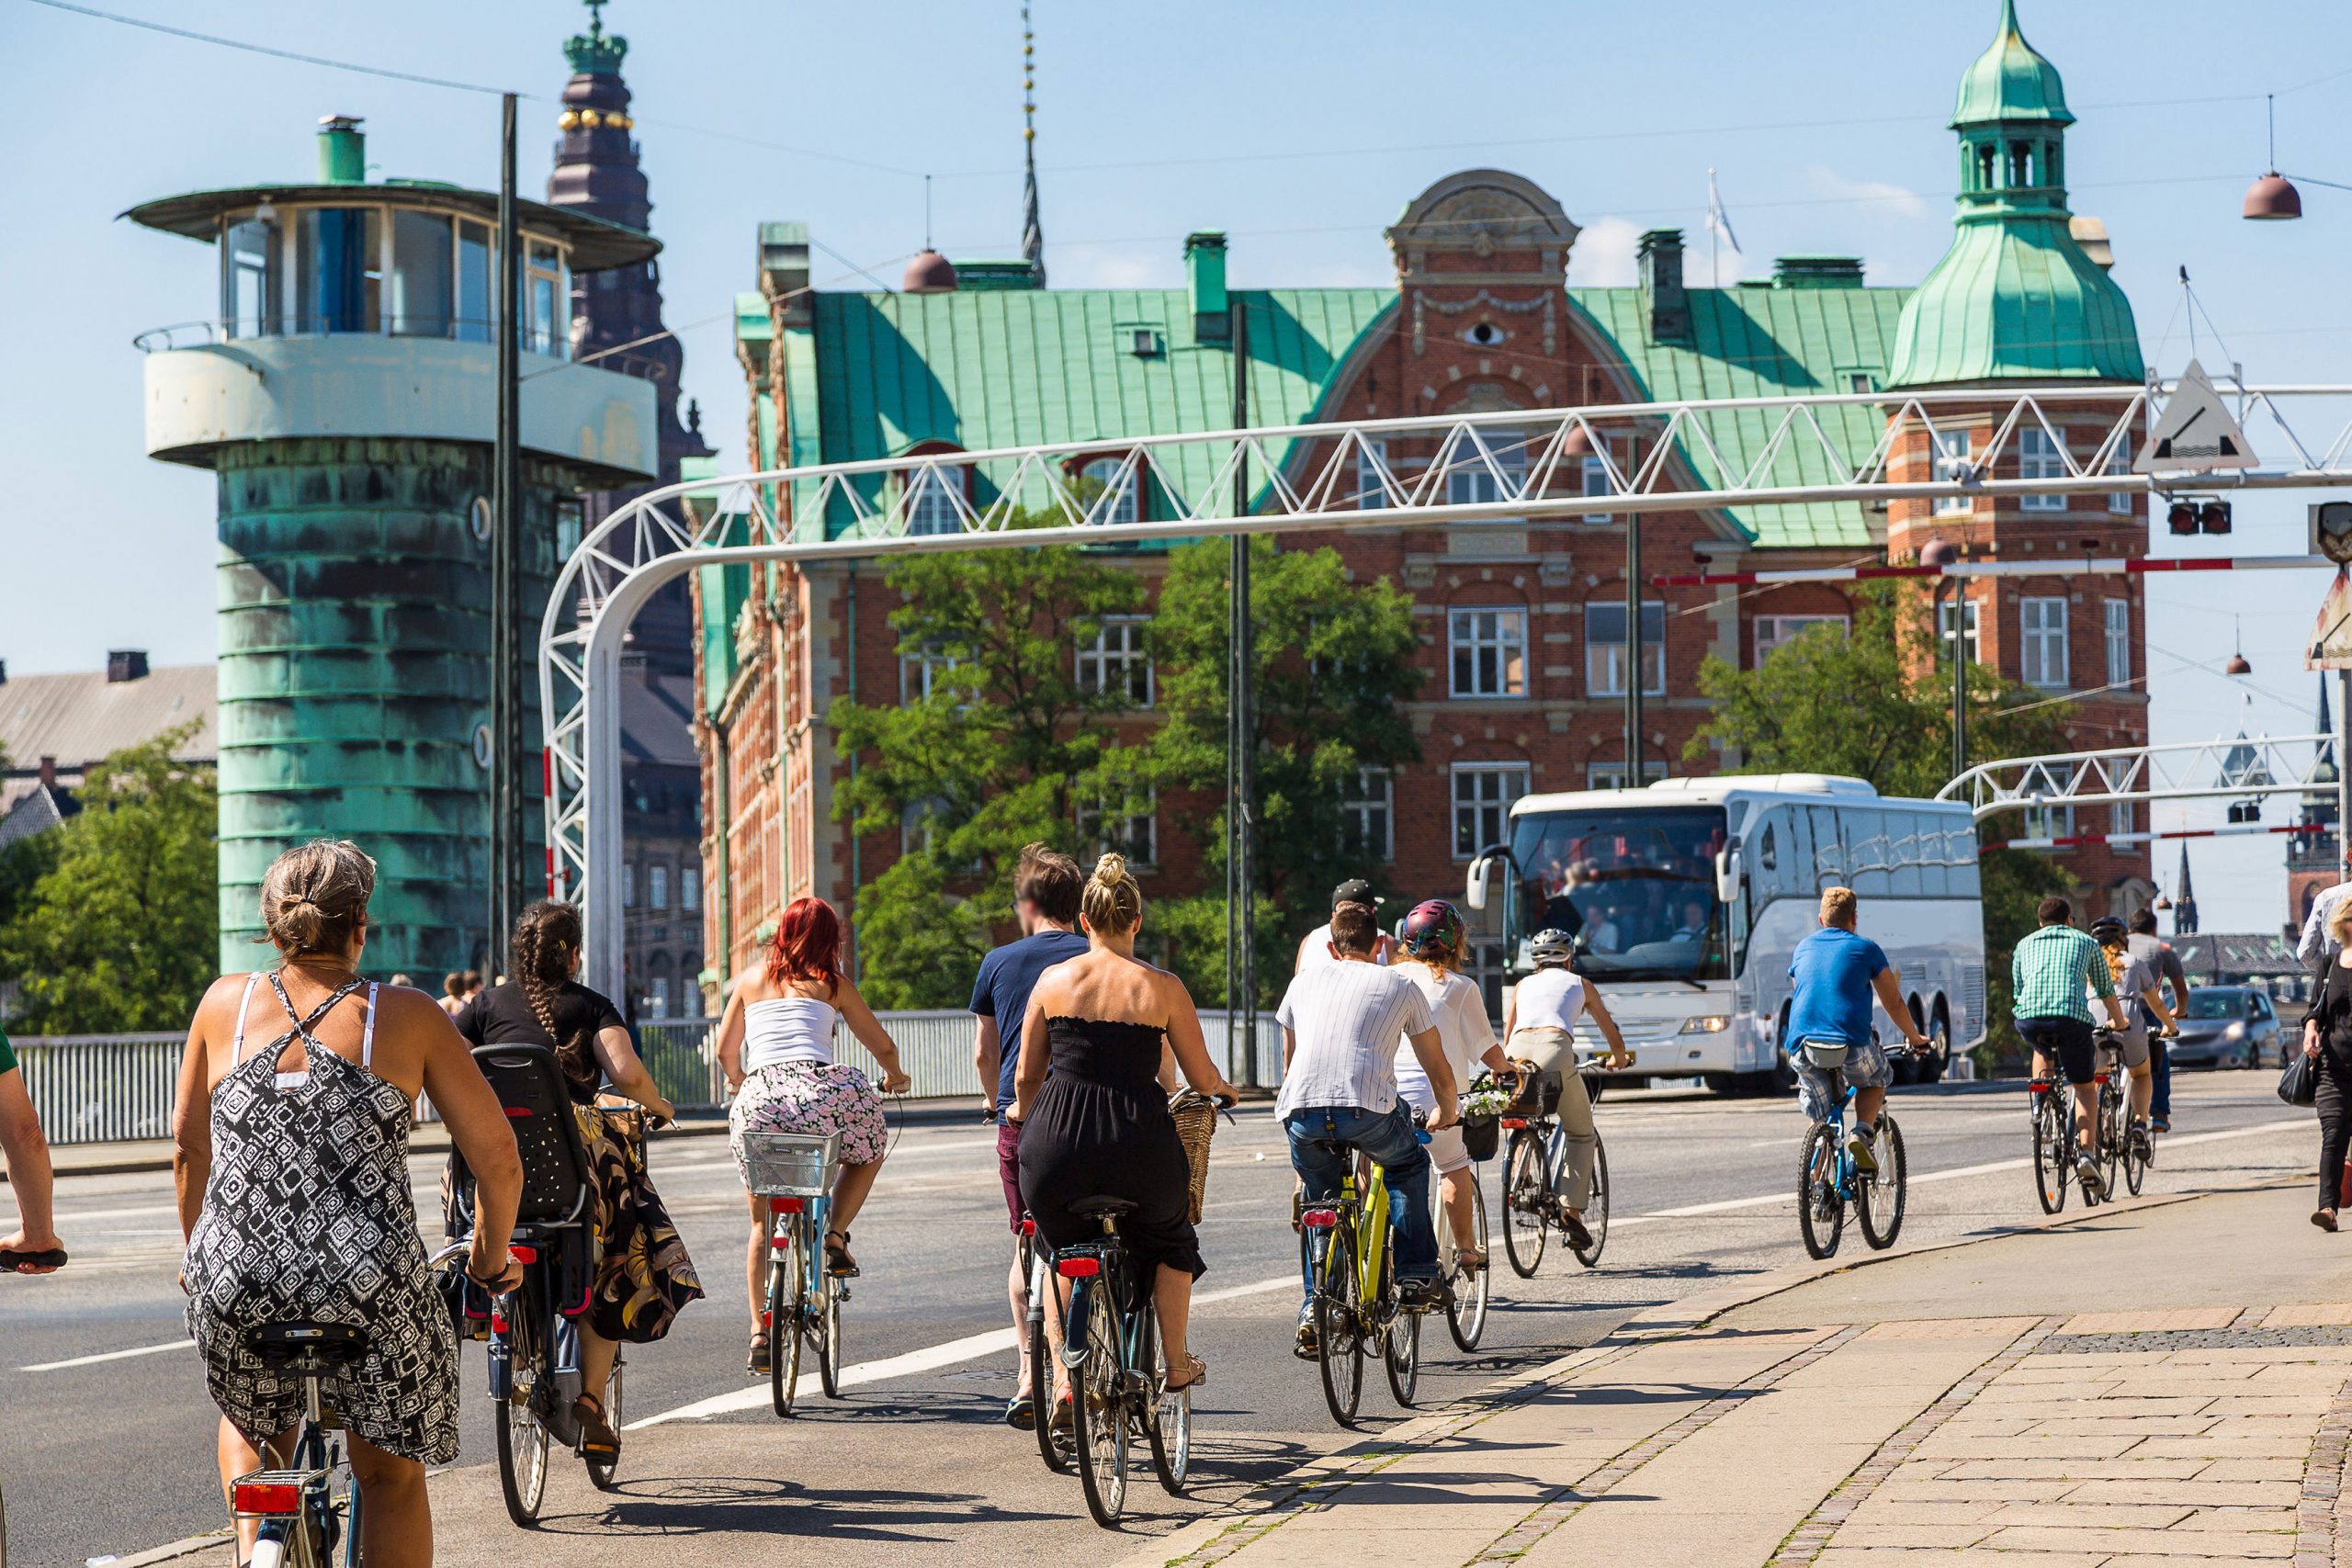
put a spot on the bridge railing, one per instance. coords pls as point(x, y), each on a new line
point(102, 1089)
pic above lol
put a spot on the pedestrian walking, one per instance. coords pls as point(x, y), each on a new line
point(33, 1247)
point(2327, 1040)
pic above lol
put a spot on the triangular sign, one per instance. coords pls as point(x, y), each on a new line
point(2331, 647)
point(2194, 434)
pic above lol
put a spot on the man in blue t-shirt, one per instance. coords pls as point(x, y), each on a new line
point(1837, 969)
point(1046, 889)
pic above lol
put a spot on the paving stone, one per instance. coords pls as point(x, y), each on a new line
point(2181, 1543)
point(1858, 1533)
point(2090, 1422)
point(2208, 1446)
point(2074, 1513)
point(2200, 1492)
point(1966, 1557)
point(2145, 1320)
point(2041, 1474)
point(2309, 1315)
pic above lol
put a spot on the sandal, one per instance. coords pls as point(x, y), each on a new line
point(758, 1361)
point(837, 1257)
point(1021, 1413)
point(1200, 1371)
point(1064, 1420)
point(597, 1438)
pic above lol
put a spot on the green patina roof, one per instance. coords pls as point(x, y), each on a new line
point(2017, 297)
point(2011, 81)
point(1766, 340)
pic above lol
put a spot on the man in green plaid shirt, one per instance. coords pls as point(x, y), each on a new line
point(2052, 975)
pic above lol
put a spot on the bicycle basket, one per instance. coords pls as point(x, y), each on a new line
point(1481, 1136)
point(1538, 1096)
point(790, 1164)
point(1196, 1118)
point(1828, 1055)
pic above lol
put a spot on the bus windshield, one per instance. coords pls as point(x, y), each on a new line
point(1633, 885)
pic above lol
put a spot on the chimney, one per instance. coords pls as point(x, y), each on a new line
point(1204, 277)
point(343, 150)
point(49, 773)
point(2090, 234)
point(1663, 296)
point(125, 664)
point(4, 672)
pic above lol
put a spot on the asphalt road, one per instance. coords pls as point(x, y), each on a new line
point(111, 1456)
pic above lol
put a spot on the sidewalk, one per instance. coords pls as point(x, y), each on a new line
point(2159, 1384)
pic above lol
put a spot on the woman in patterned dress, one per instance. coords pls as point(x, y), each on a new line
point(294, 1106)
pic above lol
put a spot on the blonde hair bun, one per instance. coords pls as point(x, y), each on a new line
point(1113, 902)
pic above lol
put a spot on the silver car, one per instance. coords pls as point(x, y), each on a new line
point(2228, 1026)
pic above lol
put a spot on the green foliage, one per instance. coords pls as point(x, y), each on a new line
point(1333, 666)
point(117, 931)
point(1870, 704)
point(1003, 751)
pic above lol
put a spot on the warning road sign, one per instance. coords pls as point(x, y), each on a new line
point(2332, 637)
point(2194, 434)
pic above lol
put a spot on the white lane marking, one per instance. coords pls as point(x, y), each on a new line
point(107, 1356)
point(1956, 1172)
point(971, 1348)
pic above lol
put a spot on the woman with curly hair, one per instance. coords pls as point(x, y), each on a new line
point(643, 1275)
point(775, 1045)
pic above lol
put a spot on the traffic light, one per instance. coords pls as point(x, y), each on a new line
point(2182, 517)
point(2213, 517)
point(2193, 516)
point(2245, 811)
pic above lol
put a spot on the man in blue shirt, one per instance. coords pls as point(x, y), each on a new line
point(1837, 969)
point(1046, 889)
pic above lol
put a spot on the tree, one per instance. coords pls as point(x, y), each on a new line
point(1333, 667)
point(119, 932)
point(997, 743)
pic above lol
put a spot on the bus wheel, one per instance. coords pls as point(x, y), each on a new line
point(1933, 1066)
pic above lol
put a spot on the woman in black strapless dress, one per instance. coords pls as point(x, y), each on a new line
point(1101, 1048)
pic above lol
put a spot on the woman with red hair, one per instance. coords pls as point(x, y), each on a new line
point(775, 1045)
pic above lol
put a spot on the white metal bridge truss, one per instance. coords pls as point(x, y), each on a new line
point(2235, 768)
point(1502, 466)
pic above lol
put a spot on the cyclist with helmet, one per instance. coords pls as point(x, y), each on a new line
point(2135, 977)
point(1434, 942)
point(1541, 1023)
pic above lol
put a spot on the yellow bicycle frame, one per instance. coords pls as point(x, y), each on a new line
point(1372, 1233)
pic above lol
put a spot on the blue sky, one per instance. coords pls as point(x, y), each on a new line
point(1301, 128)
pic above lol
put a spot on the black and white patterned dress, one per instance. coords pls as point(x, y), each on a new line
point(308, 1214)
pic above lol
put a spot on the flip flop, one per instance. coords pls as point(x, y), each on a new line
point(12, 1260)
point(1021, 1413)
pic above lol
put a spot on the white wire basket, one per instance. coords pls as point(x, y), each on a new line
point(790, 1164)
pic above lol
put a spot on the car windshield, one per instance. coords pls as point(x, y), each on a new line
point(1635, 886)
point(2210, 1003)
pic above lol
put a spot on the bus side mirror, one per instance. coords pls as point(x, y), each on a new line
point(1727, 876)
point(1474, 892)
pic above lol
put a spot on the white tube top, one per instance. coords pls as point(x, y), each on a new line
point(787, 1029)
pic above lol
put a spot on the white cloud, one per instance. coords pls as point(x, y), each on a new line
point(1604, 252)
point(1900, 200)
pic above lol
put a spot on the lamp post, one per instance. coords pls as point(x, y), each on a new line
point(1943, 553)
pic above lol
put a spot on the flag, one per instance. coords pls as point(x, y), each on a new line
point(1718, 220)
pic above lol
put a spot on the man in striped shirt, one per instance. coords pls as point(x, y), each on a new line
point(2052, 975)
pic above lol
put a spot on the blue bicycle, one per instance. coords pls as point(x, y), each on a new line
point(794, 1172)
point(1828, 1179)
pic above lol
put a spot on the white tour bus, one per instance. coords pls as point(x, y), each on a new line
point(1686, 898)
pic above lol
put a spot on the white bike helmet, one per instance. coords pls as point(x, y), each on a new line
point(1551, 947)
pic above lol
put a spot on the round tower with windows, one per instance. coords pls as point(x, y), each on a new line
point(345, 397)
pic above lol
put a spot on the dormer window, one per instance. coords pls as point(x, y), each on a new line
point(1107, 488)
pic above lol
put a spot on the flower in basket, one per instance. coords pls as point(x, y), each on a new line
point(1486, 1097)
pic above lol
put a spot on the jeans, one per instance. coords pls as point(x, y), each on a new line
point(1387, 1137)
point(2160, 1056)
point(2333, 1104)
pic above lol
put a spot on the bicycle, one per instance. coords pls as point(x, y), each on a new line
point(794, 1172)
point(1467, 1290)
point(1828, 1179)
point(309, 1510)
point(2120, 1145)
point(1533, 1163)
point(1116, 1364)
point(1036, 1267)
point(1357, 1305)
point(2056, 1145)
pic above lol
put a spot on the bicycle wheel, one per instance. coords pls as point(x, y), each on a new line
point(1879, 1200)
point(825, 1327)
point(351, 1505)
point(1402, 1351)
point(1596, 1207)
point(1527, 1202)
point(2111, 1133)
point(1054, 1451)
point(1469, 1290)
point(1338, 1349)
point(784, 1328)
point(600, 1470)
point(1168, 1421)
point(2053, 1142)
point(1821, 1211)
point(2135, 1158)
point(1099, 1405)
point(522, 1455)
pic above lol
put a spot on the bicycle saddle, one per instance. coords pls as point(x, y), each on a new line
point(295, 1340)
point(1102, 1206)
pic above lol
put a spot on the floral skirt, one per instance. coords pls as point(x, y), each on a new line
point(643, 1275)
point(811, 1098)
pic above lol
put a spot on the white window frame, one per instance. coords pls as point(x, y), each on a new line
point(2050, 822)
point(1102, 668)
point(2121, 817)
point(1478, 790)
point(1469, 633)
point(1608, 679)
point(931, 509)
point(919, 674)
point(1775, 631)
point(1116, 503)
point(1468, 481)
point(1369, 805)
point(1611, 775)
point(1951, 445)
point(1372, 456)
point(690, 887)
point(1142, 831)
point(1595, 471)
point(657, 886)
point(2121, 502)
point(2039, 457)
point(1971, 636)
point(2041, 635)
point(2117, 616)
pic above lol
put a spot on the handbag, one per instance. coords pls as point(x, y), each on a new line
point(2299, 1085)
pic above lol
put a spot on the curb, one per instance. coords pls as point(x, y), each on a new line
point(1327, 1476)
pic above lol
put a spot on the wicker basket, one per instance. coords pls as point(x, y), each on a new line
point(1195, 1117)
point(790, 1164)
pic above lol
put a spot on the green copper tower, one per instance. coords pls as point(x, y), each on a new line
point(345, 398)
point(2014, 297)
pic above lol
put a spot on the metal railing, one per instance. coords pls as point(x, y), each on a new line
point(101, 1089)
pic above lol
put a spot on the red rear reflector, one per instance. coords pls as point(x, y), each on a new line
point(2039, 1086)
point(786, 1205)
point(1515, 1123)
point(1079, 1268)
point(2099, 1077)
point(525, 1254)
point(517, 1112)
point(1319, 1219)
point(497, 1320)
point(1028, 1226)
point(265, 1497)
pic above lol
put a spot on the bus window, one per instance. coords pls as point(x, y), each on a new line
point(1870, 856)
point(1828, 849)
point(1964, 881)
point(1768, 854)
point(1905, 848)
point(1932, 854)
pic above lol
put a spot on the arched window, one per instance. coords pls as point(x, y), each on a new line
point(1112, 496)
point(932, 494)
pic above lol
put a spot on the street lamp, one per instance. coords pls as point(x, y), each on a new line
point(1943, 553)
point(2273, 197)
